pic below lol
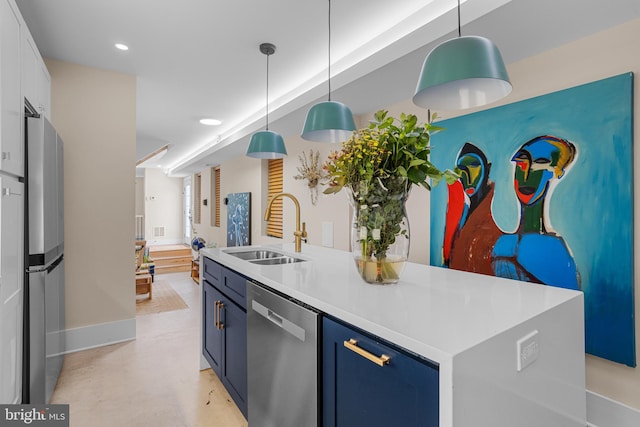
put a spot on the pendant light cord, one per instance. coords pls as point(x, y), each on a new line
point(267, 127)
point(459, 30)
point(329, 53)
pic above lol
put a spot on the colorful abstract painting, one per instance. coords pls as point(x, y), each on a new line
point(239, 219)
point(546, 195)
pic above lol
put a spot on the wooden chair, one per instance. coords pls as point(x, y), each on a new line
point(144, 285)
point(142, 266)
point(144, 280)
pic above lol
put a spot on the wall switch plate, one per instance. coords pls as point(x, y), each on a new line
point(528, 350)
point(327, 234)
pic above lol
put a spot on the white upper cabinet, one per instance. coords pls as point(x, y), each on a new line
point(29, 67)
point(23, 74)
point(36, 82)
point(11, 104)
point(44, 89)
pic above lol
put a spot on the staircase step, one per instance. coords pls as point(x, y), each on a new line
point(171, 258)
point(167, 254)
point(172, 268)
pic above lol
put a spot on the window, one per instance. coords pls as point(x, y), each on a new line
point(215, 195)
point(197, 199)
point(274, 224)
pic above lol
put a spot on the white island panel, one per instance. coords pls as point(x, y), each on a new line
point(467, 323)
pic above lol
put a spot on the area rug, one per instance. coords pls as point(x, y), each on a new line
point(164, 299)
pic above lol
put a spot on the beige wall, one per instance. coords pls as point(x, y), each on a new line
point(95, 113)
point(602, 55)
point(244, 174)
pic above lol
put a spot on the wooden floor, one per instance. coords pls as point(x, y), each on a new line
point(152, 381)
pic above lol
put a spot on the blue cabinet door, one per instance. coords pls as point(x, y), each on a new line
point(212, 337)
point(224, 331)
point(212, 271)
point(357, 392)
point(235, 286)
point(234, 375)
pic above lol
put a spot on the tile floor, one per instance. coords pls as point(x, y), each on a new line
point(152, 381)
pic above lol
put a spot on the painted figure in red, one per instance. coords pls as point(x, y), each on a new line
point(470, 231)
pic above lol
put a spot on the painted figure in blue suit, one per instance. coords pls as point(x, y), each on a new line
point(535, 252)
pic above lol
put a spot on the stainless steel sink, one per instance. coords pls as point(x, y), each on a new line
point(256, 254)
point(276, 261)
point(264, 257)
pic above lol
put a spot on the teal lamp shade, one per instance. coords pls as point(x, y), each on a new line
point(266, 144)
point(328, 121)
point(461, 73)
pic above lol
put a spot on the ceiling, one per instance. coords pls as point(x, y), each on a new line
point(200, 58)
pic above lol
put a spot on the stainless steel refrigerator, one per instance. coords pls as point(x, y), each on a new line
point(44, 278)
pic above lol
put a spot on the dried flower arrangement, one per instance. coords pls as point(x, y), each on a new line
point(311, 170)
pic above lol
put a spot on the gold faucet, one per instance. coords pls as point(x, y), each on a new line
point(299, 234)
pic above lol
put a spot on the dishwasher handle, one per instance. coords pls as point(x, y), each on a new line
point(278, 320)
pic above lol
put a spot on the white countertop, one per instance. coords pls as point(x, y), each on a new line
point(434, 312)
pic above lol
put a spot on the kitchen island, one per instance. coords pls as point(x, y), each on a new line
point(508, 353)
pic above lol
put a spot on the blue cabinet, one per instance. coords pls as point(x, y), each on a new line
point(368, 382)
point(225, 329)
point(212, 336)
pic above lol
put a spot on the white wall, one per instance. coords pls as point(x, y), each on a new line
point(163, 201)
point(139, 196)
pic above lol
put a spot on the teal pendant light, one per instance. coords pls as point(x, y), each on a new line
point(461, 73)
point(328, 121)
point(267, 144)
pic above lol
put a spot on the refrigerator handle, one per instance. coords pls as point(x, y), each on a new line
point(54, 264)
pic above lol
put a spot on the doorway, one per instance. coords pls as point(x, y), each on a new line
point(186, 210)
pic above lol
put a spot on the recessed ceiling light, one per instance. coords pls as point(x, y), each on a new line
point(210, 122)
point(122, 46)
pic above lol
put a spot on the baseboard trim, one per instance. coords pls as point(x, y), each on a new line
point(99, 335)
point(605, 412)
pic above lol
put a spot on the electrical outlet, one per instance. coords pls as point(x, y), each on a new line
point(528, 350)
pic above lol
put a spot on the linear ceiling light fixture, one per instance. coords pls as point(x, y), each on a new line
point(151, 160)
point(328, 121)
point(461, 73)
point(267, 144)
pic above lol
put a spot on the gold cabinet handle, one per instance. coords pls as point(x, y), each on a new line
point(215, 315)
point(378, 360)
point(220, 307)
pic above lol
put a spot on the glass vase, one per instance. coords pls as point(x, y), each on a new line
point(380, 229)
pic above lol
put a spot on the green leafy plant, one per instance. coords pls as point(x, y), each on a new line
point(379, 164)
point(388, 147)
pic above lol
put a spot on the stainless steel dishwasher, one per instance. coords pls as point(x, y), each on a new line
point(282, 358)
